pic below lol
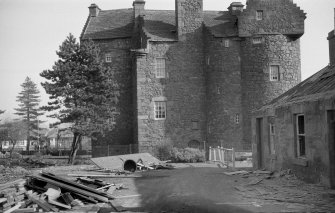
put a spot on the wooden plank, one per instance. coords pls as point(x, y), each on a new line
point(71, 188)
point(87, 198)
point(117, 206)
point(13, 208)
point(80, 186)
point(56, 203)
point(10, 184)
point(41, 203)
point(25, 210)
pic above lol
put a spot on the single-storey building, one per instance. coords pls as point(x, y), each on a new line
point(297, 130)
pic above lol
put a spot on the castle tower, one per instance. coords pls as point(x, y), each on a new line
point(270, 53)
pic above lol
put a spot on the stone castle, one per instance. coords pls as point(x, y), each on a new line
point(189, 76)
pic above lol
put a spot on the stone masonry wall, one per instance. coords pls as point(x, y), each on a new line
point(183, 89)
point(257, 89)
point(224, 108)
point(122, 65)
point(281, 17)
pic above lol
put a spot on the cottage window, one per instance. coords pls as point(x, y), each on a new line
point(160, 110)
point(257, 40)
point(108, 58)
point(274, 73)
point(259, 15)
point(160, 67)
point(300, 135)
point(272, 138)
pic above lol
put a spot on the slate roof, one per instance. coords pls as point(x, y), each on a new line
point(220, 23)
point(158, 24)
point(319, 86)
point(109, 24)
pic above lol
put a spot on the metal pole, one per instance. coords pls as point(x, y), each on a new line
point(210, 153)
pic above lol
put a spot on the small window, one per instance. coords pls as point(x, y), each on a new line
point(160, 110)
point(259, 15)
point(108, 58)
point(226, 43)
point(272, 139)
point(274, 73)
point(195, 125)
point(160, 67)
point(237, 118)
point(300, 135)
point(218, 89)
point(257, 40)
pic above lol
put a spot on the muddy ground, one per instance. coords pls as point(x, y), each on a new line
point(205, 188)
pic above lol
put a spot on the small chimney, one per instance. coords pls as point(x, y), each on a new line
point(138, 6)
point(235, 8)
point(94, 10)
point(331, 39)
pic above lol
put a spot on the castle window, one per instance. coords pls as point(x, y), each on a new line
point(259, 15)
point(300, 135)
point(237, 118)
point(274, 73)
point(160, 67)
point(257, 40)
point(160, 110)
point(108, 58)
point(195, 125)
point(226, 43)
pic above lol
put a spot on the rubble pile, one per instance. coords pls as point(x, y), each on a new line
point(47, 192)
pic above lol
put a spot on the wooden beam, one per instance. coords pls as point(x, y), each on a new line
point(70, 188)
point(77, 185)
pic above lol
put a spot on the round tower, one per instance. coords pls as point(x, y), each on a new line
point(270, 53)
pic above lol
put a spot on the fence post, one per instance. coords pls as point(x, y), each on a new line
point(107, 149)
point(210, 153)
point(130, 150)
point(219, 152)
point(233, 157)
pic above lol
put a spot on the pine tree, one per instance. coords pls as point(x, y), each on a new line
point(1, 112)
point(29, 109)
point(82, 91)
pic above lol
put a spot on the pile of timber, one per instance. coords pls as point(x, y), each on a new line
point(47, 192)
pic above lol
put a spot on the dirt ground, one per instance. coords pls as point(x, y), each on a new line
point(205, 188)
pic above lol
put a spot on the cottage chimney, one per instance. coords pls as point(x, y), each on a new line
point(189, 16)
point(235, 8)
point(138, 6)
point(331, 39)
point(94, 10)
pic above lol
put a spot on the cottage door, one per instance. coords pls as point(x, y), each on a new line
point(259, 138)
point(331, 141)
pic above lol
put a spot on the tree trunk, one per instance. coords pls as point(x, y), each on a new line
point(11, 151)
point(74, 148)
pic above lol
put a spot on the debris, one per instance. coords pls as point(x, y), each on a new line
point(262, 172)
point(236, 173)
point(255, 181)
point(119, 162)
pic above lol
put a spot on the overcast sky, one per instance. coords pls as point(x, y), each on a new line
point(32, 30)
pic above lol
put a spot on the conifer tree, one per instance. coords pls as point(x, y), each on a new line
point(82, 91)
point(28, 108)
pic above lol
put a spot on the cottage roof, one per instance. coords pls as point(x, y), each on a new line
point(319, 86)
point(158, 24)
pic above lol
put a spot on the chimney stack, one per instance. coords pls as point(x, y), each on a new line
point(94, 10)
point(331, 39)
point(138, 6)
point(189, 16)
point(235, 8)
